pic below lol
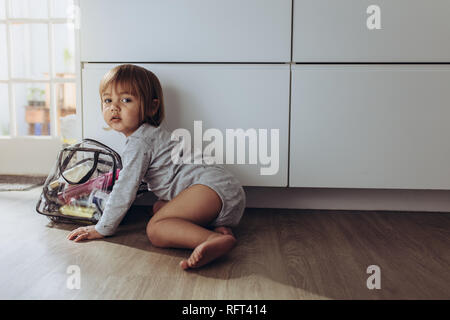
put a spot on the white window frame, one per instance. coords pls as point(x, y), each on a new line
point(52, 80)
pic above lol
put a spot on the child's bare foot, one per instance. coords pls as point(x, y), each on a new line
point(211, 249)
point(224, 230)
point(158, 205)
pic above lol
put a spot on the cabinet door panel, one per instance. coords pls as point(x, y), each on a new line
point(247, 97)
point(336, 31)
point(361, 126)
point(185, 30)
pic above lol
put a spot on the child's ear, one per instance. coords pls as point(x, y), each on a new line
point(155, 105)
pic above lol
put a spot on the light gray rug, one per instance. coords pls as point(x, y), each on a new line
point(20, 183)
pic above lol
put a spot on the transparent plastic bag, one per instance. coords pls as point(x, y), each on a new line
point(80, 182)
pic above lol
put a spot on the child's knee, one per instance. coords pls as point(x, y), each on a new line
point(151, 230)
point(154, 236)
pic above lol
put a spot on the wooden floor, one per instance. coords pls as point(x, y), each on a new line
point(281, 254)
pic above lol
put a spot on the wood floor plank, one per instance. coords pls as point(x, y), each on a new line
point(281, 254)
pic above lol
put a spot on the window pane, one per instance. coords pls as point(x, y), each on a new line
point(3, 53)
point(29, 9)
point(4, 110)
point(32, 108)
point(65, 95)
point(29, 50)
point(64, 54)
point(62, 8)
point(2, 9)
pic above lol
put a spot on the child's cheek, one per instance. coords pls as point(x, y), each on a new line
point(104, 116)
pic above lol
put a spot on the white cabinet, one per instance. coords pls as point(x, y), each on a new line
point(185, 30)
point(227, 64)
point(336, 31)
point(370, 126)
point(228, 96)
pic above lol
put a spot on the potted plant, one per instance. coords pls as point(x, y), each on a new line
point(36, 97)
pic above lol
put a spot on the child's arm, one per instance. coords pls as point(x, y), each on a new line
point(136, 159)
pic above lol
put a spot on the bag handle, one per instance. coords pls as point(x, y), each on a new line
point(117, 156)
point(62, 167)
point(106, 147)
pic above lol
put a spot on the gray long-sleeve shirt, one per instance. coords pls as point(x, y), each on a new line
point(146, 157)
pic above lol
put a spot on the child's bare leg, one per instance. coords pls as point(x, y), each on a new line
point(224, 230)
point(158, 205)
point(180, 224)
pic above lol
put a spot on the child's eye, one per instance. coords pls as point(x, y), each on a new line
point(107, 101)
point(126, 100)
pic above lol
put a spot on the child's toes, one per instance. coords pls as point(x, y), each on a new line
point(184, 264)
point(198, 256)
point(192, 261)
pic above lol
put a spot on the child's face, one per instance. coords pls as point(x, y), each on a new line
point(121, 110)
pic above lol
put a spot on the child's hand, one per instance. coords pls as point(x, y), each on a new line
point(84, 233)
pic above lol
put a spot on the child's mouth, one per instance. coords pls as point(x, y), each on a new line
point(115, 119)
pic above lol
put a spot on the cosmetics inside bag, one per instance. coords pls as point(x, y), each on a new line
point(80, 183)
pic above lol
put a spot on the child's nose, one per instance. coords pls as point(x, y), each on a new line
point(114, 107)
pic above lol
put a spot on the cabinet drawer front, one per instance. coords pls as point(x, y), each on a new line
point(361, 126)
point(221, 97)
point(336, 31)
point(185, 30)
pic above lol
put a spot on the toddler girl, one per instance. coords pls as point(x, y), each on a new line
point(198, 203)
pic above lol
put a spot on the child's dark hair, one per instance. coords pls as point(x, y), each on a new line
point(141, 83)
